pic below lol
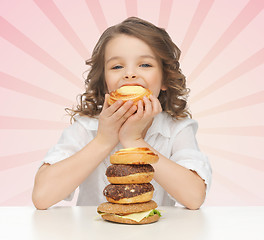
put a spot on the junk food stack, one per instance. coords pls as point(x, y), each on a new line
point(130, 192)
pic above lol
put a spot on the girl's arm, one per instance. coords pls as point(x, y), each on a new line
point(55, 182)
point(186, 186)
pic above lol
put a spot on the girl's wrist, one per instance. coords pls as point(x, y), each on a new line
point(140, 142)
point(105, 143)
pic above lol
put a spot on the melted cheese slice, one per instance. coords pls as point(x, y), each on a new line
point(136, 216)
point(133, 216)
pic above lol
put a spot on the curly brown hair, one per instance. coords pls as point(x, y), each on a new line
point(173, 100)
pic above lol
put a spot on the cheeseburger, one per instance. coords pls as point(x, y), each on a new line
point(135, 213)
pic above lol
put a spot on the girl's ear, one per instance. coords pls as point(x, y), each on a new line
point(163, 88)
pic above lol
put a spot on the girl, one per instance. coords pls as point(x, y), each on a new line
point(134, 52)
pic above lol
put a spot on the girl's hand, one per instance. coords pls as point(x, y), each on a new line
point(136, 126)
point(111, 119)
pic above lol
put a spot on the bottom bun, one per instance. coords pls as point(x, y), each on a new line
point(114, 218)
point(137, 178)
point(145, 197)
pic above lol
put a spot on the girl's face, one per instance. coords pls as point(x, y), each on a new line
point(130, 61)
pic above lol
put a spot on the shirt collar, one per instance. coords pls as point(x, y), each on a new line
point(90, 123)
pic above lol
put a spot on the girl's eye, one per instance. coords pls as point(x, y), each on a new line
point(145, 65)
point(117, 67)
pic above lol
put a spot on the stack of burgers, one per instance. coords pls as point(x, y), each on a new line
point(130, 192)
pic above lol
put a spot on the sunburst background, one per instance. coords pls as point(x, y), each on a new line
point(44, 46)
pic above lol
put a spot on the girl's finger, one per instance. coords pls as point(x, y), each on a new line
point(129, 113)
point(122, 110)
point(140, 109)
point(106, 105)
point(110, 110)
point(148, 105)
point(156, 106)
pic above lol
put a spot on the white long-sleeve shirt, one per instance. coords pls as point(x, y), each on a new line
point(175, 139)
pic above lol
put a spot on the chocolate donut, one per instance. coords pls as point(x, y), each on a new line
point(128, 193)
point(129, 174)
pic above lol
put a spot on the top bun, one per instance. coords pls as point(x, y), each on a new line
point(124, 209)
point(125, 93)
point(134, 156)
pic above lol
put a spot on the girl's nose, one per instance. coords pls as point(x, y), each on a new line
point(130, 73)
point(130, 76)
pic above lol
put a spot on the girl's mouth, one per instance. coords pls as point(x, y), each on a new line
point(132, 84)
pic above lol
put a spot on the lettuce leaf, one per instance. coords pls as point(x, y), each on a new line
point(153, 212)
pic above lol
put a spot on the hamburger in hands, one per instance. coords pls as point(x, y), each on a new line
point(125, 93)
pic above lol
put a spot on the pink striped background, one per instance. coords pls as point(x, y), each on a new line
point(44, 46)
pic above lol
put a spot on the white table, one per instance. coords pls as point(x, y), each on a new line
point(177, 223)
